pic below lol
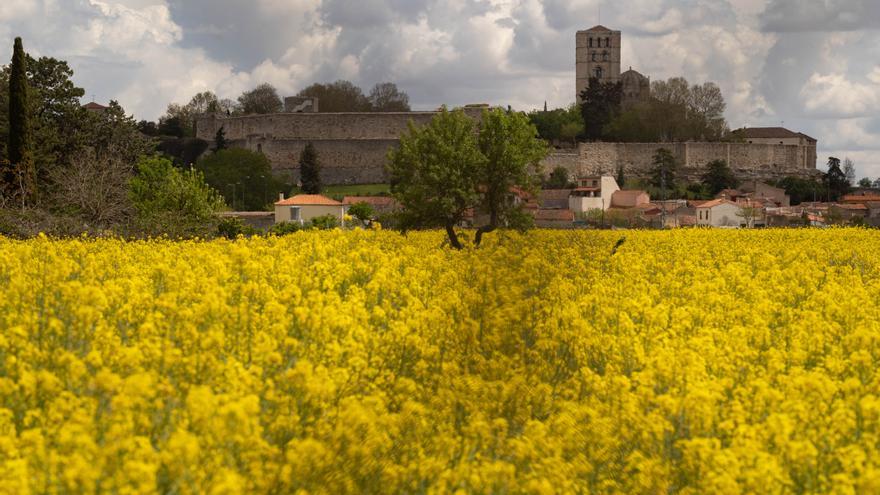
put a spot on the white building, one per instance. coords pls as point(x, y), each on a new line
point(720, 213)
point(304, 207)
point(593, 193)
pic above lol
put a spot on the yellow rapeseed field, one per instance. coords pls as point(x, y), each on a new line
point(368, 362)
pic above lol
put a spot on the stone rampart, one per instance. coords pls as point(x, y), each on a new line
point(748, 161)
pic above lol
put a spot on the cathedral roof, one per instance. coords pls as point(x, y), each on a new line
point(598, 28)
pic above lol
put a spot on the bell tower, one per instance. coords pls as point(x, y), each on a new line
point(597, 54)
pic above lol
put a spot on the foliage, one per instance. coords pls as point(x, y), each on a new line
point(324, 222)
point(368, 362)
point(285, 228)
point(340, 96)
point(310, 170)
point(441, 172)
point(601, 103)
point(184, 152)
point(663, 170)
point(836, 182)
point(676, 111)
point(362, 211)
point(559, 179)
point(866, 182)
point(719, 176)
point(386, 97)
point(180, 120)
point(559, 124)
point(249, 172)
point(849, 170)
point(263, 99)
point(94, 187)
point(231, 228)
point(220, 143)
point(19, 178)
point(802, 190)
point(621, 176)
point(171, 201)
point(434, 173)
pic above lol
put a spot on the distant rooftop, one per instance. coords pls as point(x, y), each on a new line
point(770, 133)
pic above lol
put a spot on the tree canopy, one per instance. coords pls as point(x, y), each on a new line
point(339, 96)
point(449, 168)
point(263, 99)
point(719, 177)
point(601, 103)
point(386, 97)
point(244, 178)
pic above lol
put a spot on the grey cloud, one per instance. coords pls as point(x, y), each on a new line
point(821, 15)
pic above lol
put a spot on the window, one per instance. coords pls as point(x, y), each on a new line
point(591, 42)
point(607, 42)
point(595, 57)
point(259, 147)
point(295, 214)
point(604, 56)
point(598, 73)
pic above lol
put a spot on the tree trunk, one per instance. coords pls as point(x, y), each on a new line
point(453, 237)
point(483, 230)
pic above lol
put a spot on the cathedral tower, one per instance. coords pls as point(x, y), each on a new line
point(597, 55)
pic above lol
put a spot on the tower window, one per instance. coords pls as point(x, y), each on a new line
point(604, 56)
point(607, 42)
point(595, 57)
point(591, 42)
point(598, 73)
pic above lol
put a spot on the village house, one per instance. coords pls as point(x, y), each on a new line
point(303, 208)
point(593, 193)
point(720, 213)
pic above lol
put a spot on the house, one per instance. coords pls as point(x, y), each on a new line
point(593, 193)
point(774, 135)
point(849, 212)
point(630, 199)
point(720, 213)
point(305, 207)
point(761, 191)
point(554, 198)
point(95, 107)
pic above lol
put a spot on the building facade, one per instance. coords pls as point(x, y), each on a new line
point(597, 55)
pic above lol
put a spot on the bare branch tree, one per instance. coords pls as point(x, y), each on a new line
point(95, 186)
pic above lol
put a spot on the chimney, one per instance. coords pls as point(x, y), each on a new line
point(280, 196)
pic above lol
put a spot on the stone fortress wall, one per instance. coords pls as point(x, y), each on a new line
point(748, 161)
point(352, 147)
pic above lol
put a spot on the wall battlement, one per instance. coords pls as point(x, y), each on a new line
point(353, 148)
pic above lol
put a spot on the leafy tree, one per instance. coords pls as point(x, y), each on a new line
point(386, 97)
point(180, 120)
point(232, 228)
point(184, 152)
point(362, 211)
point(171, 126)
point(663, 171)
point(220, 140)
point(21, 177)
point(444, 170)
point(148, 128)
point(601, 103)
point(621, 176)
point(324, 222)
point(876, 184)
point(866, 182)
point(801, 190)
point(719, 176)
point(171, 201)
point(263, 99)
point(310, 170)
point(243, 177)
point(558, 179)
point(559, 124)
point(340, 96)
point(836, 182)
point(285, 228)
point(434, 173)
point(513, 154)
point(849, 170)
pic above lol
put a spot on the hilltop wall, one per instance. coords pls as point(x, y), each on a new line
point(353, 148)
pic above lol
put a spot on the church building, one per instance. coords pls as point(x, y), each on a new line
point(597, 55)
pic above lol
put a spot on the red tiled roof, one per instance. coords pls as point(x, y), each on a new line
point(551, 194)
point(714, 203)
point(308, 200)
point(852, 207)
point(94, 106)
point(857, 198)
point(767, 133)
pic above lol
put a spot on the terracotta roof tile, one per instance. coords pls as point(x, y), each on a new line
point(309, 200)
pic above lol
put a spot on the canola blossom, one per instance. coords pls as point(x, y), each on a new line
point(369, 362)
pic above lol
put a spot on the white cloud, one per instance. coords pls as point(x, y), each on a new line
point(833, 95)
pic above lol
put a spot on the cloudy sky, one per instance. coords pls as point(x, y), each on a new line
point(813, 65)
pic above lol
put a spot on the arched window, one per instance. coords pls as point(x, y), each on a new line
point(607, 42)
point(595, 57)
point(598, 73)
point(604, 56)
point(591, 42)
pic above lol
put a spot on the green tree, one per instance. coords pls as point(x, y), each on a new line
point(243, 177)
point(621, 176)
point(310, 170)
point(386, 97)
point(220, 143)
point(263, 99)
point(719, 176)
point(434, 173)
point(340, 96)
point(513, 154)
point(558, 179)
point(362, 211)
point(836, 182)
point(601, 103)
point(22, 176)
point(866, 182)
point(663, 171)
point(171, 201)
point(802, 190)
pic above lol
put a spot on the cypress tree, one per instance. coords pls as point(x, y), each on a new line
point(310, 170)
point(20, 153)
point(220, 140)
